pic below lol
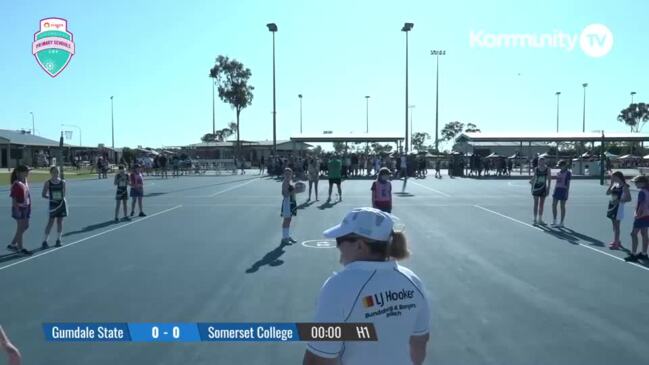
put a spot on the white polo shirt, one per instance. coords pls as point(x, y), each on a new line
point(384, 293)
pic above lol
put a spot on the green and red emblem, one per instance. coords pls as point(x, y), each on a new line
point(53, 45)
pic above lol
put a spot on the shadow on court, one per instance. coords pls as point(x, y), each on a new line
point(91, 228)
point(571, 236)
point(404, 195)
point(306, 204)
point(15, 256)
point(559, 234)
point(328, 204)
point(270, 259)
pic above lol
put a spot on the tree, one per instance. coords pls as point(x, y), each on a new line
point(635, 116)
point(232, 83)
point(418, 140)
point(472, 128)
point(379, 148)
point(451, 130)
point(128, 155)
point(208, 137)
point(339, 147)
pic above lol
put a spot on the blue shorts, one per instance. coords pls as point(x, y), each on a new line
point(137, 193)
point(640, 223)
point(19, 213)
point(560, 194)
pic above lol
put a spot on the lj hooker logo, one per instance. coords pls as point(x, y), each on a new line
point(53, 45)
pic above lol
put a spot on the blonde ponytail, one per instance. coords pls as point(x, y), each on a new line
point(398, 248)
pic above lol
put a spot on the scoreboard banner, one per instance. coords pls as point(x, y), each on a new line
point(208, 332)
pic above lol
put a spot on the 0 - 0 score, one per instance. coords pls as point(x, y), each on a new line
point(155, 332)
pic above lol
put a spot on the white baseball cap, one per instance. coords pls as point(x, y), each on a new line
point(366, 222)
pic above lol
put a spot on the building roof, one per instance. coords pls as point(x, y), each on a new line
point(506, 144)
point(526, 137)
point(361, 137)
point(228, 144)
point(27, 139)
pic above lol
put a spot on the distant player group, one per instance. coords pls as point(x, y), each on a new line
point(619, 193)
point(55, 191)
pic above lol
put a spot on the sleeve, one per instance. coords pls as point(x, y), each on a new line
point(328, 310)
point(568, 178)
point(373, 186)
point(422, 324)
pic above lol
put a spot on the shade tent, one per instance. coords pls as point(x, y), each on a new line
point(544, 155)
point(610, 156)
point(494, 155)
point(630, 157)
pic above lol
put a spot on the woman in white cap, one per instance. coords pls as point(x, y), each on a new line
point(372, 287)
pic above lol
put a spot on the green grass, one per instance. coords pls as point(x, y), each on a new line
point(40, 175)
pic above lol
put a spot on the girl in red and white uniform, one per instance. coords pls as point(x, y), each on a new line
point(21, 207)
point(382, 191)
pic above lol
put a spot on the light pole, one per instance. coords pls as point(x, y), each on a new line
point(407, 27)
point(213, 110)
point(583, 129)
point(74, 126)
point(557, 94)
point(632, 93)
point(272, 27)
point(33, 125)
point(300, 96)
point(112, 125)
point(437, 53)
point(367, 114)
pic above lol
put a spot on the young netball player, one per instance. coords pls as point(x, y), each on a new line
point(382, 191)
point(314, 176)
point(121, 181)
point(620, 194)
point(289, 206)
point(54, 189)
point(641, 222)
point(561, 189)
point(21, 207)
point(540, 189)
point(137, 189)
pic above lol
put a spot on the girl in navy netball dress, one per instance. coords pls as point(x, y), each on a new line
point(289, 206)
point(121, 196)
point(641, 221)
point(620, 194)
point(561, 189)
point(54, 189)
point(540, 189)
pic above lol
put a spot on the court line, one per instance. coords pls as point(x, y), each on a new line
point(233, 187)
point(580, 244)
point(49, 251)
point(431, 189)
point(508, 217)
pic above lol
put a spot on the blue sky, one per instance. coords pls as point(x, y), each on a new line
point(154, 58)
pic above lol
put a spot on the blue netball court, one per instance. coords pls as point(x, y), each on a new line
point(503, 291)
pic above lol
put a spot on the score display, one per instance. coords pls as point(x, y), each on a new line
point(208, 332)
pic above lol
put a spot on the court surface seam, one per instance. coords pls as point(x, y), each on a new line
point(234, 187)
point(433, 190)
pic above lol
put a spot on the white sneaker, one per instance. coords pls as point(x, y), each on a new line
point(554, 224)
point(560, 225)
point(540, 221)
point(534, 221)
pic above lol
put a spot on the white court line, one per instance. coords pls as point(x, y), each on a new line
point(232, 188)
point(431, 189)
point(49, 251)
point(580, 244)
point(507, 217)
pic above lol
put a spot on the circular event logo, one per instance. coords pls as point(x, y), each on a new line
point(596, 40)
